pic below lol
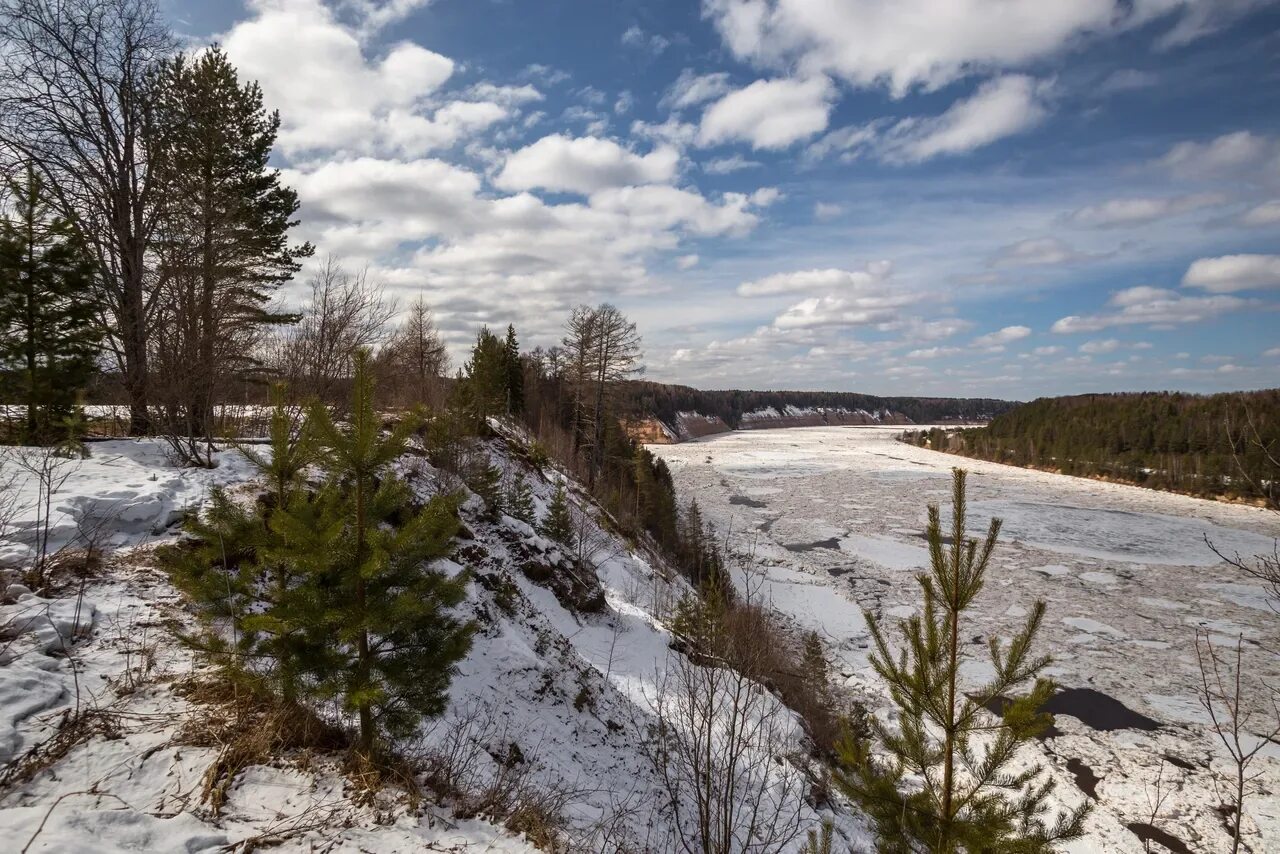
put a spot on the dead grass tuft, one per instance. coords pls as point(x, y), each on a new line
point(249, 727)
point(74, 728)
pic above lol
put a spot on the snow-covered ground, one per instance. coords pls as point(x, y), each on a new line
point(836, 515)
point(570, 693)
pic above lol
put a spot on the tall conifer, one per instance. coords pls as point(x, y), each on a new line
point(48, 334)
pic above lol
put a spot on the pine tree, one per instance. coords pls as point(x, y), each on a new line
point(482, 392)
point(223, 236)
point(485, 480)
point(557, 524)
point(514, 372)
point(967, 801)
point(235, 574)
point(392, 643)
point(519, 500)
point(48, 334)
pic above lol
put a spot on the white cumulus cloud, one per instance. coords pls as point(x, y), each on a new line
point(769, 114)
point(584, 165)
point(1231, 273)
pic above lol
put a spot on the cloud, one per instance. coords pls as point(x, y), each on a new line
point(933, 352)
point(727, 165)
point(1155, 307)
point(691, 89)
point(993, 342)
point(1267, 213)
point(1036, 251)
point(866, 280)
point(1000, 108)
point(1051, 350)
point(1224, 156)
point(1231, 273)
point(1094, 348)
point(635, 37)
point(926, 43)
point(1273, 353)
point(686, 262)
point(1127, 80)
point(875, 310)
point(770, 114)
point(823, 211)
point(584, 165)
point(1136, 211)
point(330, 95)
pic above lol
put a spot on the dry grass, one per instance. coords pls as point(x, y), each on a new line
point(249, 727)
point(74, 728)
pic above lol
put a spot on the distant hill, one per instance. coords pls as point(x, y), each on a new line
point(683, 412)
point(1212, 445)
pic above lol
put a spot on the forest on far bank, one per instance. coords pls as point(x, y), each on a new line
point(1220, 445)
point(664, 401)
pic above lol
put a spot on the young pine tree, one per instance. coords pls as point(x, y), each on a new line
point(557, 524)
point(966, 799)
point(519, 500)
point(48, 334)
point(235, 573)
point(391, 642)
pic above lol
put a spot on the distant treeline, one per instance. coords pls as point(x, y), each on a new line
point(1212, 445)
point(665, 401)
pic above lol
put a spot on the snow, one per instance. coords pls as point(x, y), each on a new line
point(574, 691)
point(1124, 571)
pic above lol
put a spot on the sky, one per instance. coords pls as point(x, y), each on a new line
point(1004, 198)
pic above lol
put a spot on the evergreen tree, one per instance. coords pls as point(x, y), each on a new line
point(482, 390)
point(965, 799)
point(485, 480)
point(392, 644)
point(514, 372)
point(235, 574)
point(223, 236)
point(557, 525)
point(48, 334)
point(519, 500)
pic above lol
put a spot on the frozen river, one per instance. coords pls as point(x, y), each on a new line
point(836, 516)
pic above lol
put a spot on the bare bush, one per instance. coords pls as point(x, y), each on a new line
point(50, 469)
point(347, 312)
point(1244, 722)
point(721, 747)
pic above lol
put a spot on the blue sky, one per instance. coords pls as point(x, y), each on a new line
point(952, 197)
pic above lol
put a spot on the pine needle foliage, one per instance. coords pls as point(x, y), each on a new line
point(944, 786)
point(233, 572)
point(519, 500)
point(393, 645)
point(324, 593)
point(557, 525)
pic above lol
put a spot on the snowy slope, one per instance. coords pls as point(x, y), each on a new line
point(559, 685)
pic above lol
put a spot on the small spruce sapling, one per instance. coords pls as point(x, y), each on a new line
point(944, 786)
point(557, 524)
point(519, 499)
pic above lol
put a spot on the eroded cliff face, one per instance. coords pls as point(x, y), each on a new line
point(794, 416)
point(695, 425)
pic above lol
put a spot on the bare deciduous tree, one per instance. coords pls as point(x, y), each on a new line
point(601, 348)
point(74, 100)
point(347, 312)
point(414, 358)
point(1236, 712)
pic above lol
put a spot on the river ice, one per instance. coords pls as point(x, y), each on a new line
point(837, 518)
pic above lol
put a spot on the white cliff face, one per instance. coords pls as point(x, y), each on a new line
point(835, 517)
